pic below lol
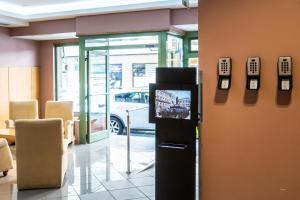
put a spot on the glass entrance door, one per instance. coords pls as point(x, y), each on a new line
point(97, 95)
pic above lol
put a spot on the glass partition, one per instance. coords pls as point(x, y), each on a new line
point(174, 51)
point(67, 74)
point(134, 40)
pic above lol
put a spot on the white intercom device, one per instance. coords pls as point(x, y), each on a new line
point(253, 73)
point(224, 73)
point(285, 73)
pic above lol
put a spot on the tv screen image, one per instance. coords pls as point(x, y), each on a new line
point(174, 104)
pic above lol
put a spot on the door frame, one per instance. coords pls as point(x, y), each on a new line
point(162, 62)
point(104, 133)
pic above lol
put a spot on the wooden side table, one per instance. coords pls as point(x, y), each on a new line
point(77, 131)
point(8, 134)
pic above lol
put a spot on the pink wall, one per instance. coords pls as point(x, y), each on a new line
point(17, 52)
point(153, 20)
point(46, 27)
point(47, 73)
point(47, 63)
point(184, 16)
point(140, 21)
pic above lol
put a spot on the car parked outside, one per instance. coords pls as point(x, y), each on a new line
point(137, 102)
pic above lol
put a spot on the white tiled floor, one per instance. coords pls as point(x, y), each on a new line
point(97, 171)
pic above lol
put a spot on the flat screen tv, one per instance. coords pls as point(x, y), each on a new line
point(173, 102)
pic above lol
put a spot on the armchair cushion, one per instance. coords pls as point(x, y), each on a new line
point(41, 153)
point(63, 110)
point(6, 160)
point(23, 110)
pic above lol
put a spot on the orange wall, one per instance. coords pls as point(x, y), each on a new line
point(250, 145)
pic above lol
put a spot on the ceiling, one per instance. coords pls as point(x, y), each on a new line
point(39, 2)
point(14, 13)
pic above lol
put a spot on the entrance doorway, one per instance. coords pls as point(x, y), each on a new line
point(117, 72)
point(109, 74)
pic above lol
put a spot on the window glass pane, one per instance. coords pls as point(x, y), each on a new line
point(96, 42)
point(67, 72)
point(115, 74)
point(193, 62)
point(132, 68)
point(132, 97)
point(194, 45)
point(135, 40)
point(143, 74)
point(174, 51)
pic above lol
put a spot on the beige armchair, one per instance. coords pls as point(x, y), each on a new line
point(41, 152)
point(63, 110)
point(22, 110)
point(6, 160)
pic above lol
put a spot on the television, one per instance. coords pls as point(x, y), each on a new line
point(175, 104)
point(170, 102)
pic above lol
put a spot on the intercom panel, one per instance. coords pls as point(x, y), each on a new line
point(224, 66)
point(285, 66)
point(253, 66)
point(285, 71)
point(253, 73)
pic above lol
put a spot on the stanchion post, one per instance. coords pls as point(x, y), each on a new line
point(128, 143)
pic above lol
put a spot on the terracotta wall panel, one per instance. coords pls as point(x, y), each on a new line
point(250, 149)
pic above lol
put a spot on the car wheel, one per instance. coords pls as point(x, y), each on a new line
point(116, 126)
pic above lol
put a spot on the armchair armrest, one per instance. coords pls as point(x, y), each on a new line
point(10, 123)
point(69, 122)
point(69, 130)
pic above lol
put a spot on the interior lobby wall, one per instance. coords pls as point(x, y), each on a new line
point(17, 52)
point(47, 73)
point(126, 22)
point(19, 71)
point(250, 142)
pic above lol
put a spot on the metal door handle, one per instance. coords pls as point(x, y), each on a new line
point(173, 146)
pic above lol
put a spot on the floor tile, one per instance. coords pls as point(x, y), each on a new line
point(152, 198)
point(125, 194)
point(143, 181)
point(65, 198)
point(83, 180)
point(148, 190)
point(116, 185)
point(108, 174)
point(97, 196)
point(142, 199)
point(60, 192)
point(151, 171)
point(135, 175)
point(31, 194)
point(88, 188)
point(95, 168)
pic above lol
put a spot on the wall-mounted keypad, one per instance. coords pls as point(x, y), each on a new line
point(224, 66)
point(285, 66)
point(253, 66)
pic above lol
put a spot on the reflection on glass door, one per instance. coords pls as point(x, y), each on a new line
point(97, 95)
